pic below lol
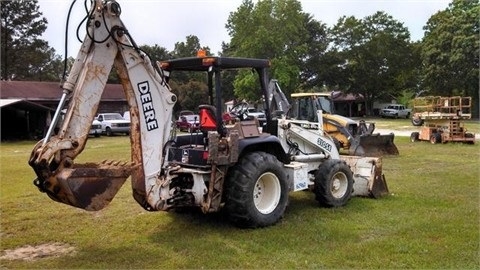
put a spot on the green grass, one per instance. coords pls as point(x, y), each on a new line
point(430, 220)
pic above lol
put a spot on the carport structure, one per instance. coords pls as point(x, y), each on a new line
point(22, 119)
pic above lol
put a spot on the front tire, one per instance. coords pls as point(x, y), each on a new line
point(333, 183)
point(109, 132)
point(256, 191)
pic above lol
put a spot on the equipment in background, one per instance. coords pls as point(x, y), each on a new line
point(442, 119)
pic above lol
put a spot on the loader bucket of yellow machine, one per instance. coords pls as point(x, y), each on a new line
point(368, 177)
point(89, 186)
point(373, 145)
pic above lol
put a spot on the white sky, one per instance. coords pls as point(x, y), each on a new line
point(165, 22)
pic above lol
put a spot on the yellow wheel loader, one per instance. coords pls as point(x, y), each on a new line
point(355, 138)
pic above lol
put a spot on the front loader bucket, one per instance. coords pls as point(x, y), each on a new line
point(373, 145)
point(368, 177)
point(88, 186)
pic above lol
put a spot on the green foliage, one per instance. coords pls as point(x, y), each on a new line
point(377, 58)
point(25, 56)
point(429, 221)
point(451, 49)
point(406, 98)
point(243, 85)
point(190, 95)
point(188, 48)
point(156, 52)
point(275, 30)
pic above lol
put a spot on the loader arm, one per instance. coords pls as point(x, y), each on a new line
point(92, 186)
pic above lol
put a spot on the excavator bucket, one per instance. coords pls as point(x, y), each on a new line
point(89, 186)
point(373, 145)
point(368, 177)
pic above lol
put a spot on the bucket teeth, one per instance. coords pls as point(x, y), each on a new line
point(114, 162)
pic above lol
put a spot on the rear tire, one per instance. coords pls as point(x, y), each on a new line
point(417, 121)
point(435, 138)
point(256, 191)
point(333, 183)
point(414, 137)
point(470, 136)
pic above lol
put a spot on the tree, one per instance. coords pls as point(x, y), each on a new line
point(156, 52)
point(316, 64)
point(191, 95)
point(270, 29)
point(450, 51)
point(24, 55)
point(189, 48)
point(190, 87)
point(378, 60)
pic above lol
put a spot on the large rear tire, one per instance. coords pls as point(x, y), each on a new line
point(256, 191)
point(333, 183)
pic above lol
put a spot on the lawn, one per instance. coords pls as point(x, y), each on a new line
point(429, 220)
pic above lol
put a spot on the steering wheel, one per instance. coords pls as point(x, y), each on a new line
point(240, 110)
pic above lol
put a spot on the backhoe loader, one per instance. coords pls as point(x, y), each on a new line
point(354, 138)
point(240, 167)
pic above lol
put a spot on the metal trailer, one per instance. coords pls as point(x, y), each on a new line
point(442, 119)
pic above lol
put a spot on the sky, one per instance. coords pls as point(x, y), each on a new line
point(165, 22)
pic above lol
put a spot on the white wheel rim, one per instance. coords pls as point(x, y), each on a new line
point(339, 185)
point(266, 193)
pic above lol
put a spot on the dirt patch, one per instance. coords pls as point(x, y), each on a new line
point(37, 252)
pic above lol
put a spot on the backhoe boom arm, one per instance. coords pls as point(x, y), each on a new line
point(92, 186)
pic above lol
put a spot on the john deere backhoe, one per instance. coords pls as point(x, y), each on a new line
point(240, 167)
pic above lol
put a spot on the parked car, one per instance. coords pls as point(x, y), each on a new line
point(113, 123)
point(259, 114)
point(395, 111)
point(189, 123)
point(96, 128)
point(256, 113)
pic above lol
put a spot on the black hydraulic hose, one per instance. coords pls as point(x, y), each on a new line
point(66, 41)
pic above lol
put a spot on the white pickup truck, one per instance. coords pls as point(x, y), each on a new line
point(113, 123)
point(395, 111)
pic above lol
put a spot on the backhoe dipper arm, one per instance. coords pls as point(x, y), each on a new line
point(92, 186)
point(278, 102)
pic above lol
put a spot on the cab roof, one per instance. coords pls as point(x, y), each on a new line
point(204, 63)
point(310, 94)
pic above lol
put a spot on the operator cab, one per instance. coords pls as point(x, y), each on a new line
point(193, 149)
point(305, 106)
